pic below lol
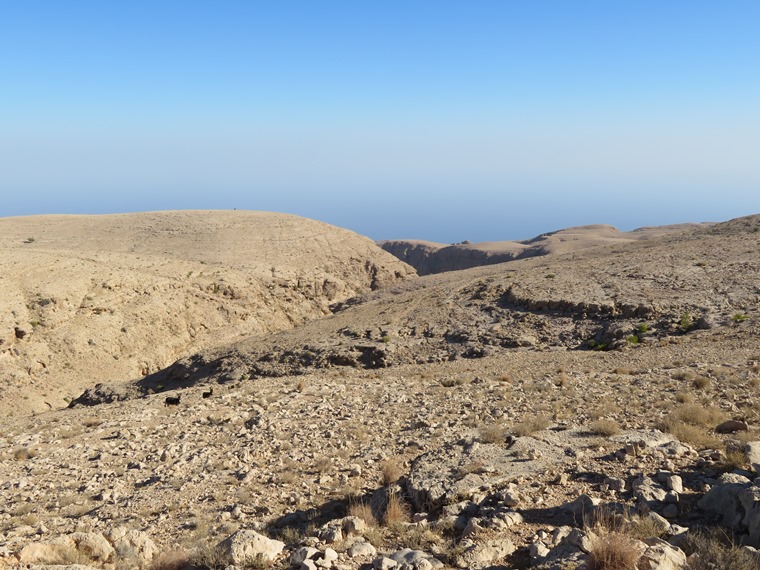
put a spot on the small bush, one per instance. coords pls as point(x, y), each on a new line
point(493, 433)
point(700, 382)
point(209, 556)
point(391, 471)
point(715, 548)
point(532, 425)
point(364, 512)
point(613, 551)
point(24, 453)
point(396, 511)
point(604, 428)
point(739, 317)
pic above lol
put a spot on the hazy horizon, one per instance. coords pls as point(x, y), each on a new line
point(439, 121)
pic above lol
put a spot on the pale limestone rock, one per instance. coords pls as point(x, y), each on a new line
point(245, 547)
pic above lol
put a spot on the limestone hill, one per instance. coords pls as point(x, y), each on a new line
point(86, 299)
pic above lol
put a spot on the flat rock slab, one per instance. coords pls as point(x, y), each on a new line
point(445, 475)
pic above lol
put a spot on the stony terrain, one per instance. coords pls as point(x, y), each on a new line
point(430, 257)
point(85, 299)
point(542, 413)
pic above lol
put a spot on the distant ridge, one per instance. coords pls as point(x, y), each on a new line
point(430, 257)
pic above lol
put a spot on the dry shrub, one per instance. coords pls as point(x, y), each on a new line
point(700, 382)
point(91, 422)
point(624, 371)
point(532, 425)
point(364, 512)
point(606, 428)
point(418, 538)
point(695, 436)
point(323, 465)
point(684, 398)
point(506, 377)
point(209, 556)
point(613, 551)
point(396, 511)
point(494, 433)
point(24, 453)
point(734, 458)
point(684, 375)
point(300, 386)
point(391, 471)
point(696, 415)
point(715, 548)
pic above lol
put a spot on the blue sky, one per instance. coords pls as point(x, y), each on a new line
point(438, 120)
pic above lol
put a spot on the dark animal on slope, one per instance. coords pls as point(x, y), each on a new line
point(171, 401)
point(208, 394)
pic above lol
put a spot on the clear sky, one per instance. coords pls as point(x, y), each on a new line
point(430, 119)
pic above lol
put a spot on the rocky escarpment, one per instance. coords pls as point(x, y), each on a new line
point(87, 299)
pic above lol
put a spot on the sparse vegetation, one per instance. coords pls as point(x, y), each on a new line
point(714, 548)
point(396, 511)
point(492, 433)
point(604, 428)
point(391, 471)
point(613, 551)
point(532, 425)
point(739, 317)
point(362, 511)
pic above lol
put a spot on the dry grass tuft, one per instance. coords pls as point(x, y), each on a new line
point(364, 512)
point(684, 398)
point(493, 433)
point(532, 425)
point(695, 436)
point(697, 415)
point(391, 471)
point(396, 511)
point(91, 422)
point(300, 386)
point(613, 551)
point(506, 377)
point(606, 428)
point(209, 556)
point(24, 453)
point(700, 382)
point(715, 548)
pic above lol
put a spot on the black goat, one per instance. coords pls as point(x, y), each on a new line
point(208, 394)
point(171, 401)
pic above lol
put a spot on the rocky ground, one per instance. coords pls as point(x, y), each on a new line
point(557, 412)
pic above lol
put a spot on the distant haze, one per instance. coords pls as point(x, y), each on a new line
point(443, 121)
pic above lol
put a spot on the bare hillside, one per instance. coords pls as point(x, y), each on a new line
point(86, 299)
point(430, 257)
point(533, 414)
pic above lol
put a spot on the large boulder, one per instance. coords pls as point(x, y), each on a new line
point(247, 547)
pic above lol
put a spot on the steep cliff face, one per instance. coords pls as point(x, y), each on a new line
point(85, 299)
